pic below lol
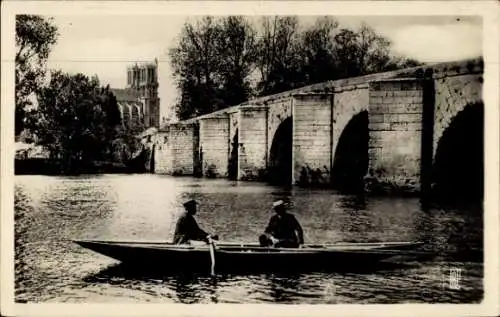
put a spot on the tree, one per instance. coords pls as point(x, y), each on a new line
point(195, 61)
point(215, 58)
point(373, 50)
point(329, 53)
point(126, 144)
point(238, 53)
point(318, 51)
point(366, 52)
point(75, 120)
point(346, 54)
point(35, 36)
point(278, 61)
point(212, 62)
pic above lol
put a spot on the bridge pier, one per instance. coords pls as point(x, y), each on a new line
point(175, 151)
point(395, 117)
point(312, 137)
point(214, 145)
point(252, 139)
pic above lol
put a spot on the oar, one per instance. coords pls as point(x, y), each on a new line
point(212, 255)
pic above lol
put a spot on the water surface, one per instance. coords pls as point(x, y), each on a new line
point(50, 211)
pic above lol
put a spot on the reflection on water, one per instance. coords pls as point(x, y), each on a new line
point(50, 211)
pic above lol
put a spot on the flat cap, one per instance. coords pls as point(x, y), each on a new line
point(191, 202)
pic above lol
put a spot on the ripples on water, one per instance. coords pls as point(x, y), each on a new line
point(50, 211)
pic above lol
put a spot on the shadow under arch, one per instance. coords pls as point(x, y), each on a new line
point(152, 162)
point(458, 169)
point(350, 162)
point(233, 158)
point(279, 170)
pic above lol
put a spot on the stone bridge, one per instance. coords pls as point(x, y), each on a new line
point(408, 130)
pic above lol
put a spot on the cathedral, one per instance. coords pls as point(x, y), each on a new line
point(138, 102)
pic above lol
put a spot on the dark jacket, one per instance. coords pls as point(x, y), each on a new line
point(285, 227)
point(187, 229)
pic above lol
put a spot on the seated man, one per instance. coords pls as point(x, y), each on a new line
point(283, 230)
point(187, 228)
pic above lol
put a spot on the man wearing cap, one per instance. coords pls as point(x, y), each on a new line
point(187, 228)
point(283, 230)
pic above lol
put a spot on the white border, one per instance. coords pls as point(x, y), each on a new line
point(489, 10)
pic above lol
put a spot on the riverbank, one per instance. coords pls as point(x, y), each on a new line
point(43, 166)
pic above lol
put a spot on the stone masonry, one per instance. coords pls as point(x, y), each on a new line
point(214, 146)
point(174, 150)
point(408, 112)
point(252, 149)
point(312, 135)
point(395, 125)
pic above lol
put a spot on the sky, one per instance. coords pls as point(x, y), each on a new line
point(106, 45)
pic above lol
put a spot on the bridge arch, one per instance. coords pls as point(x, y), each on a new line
point(452, 95)
point(280, 154)
point(458, 167)
point(350, 162)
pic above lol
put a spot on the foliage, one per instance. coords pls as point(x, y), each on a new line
point(76, 120)
point(236, 46)
point(195, 62)
point(278, 60)
point(35, 36)
point(125, 146)
point(215, 59)
point(211, 63)
point(72, 116)
point(317, 45)
point(329, 52)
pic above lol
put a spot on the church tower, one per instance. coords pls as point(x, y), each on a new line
point(143, 79)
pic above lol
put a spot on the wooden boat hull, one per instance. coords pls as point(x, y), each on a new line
point(247, 257)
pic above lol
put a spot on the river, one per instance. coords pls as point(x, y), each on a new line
point(50, 211)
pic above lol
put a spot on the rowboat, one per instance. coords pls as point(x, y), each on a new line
point(247, 256)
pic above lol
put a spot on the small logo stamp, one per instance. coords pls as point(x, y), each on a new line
point(451, 278)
